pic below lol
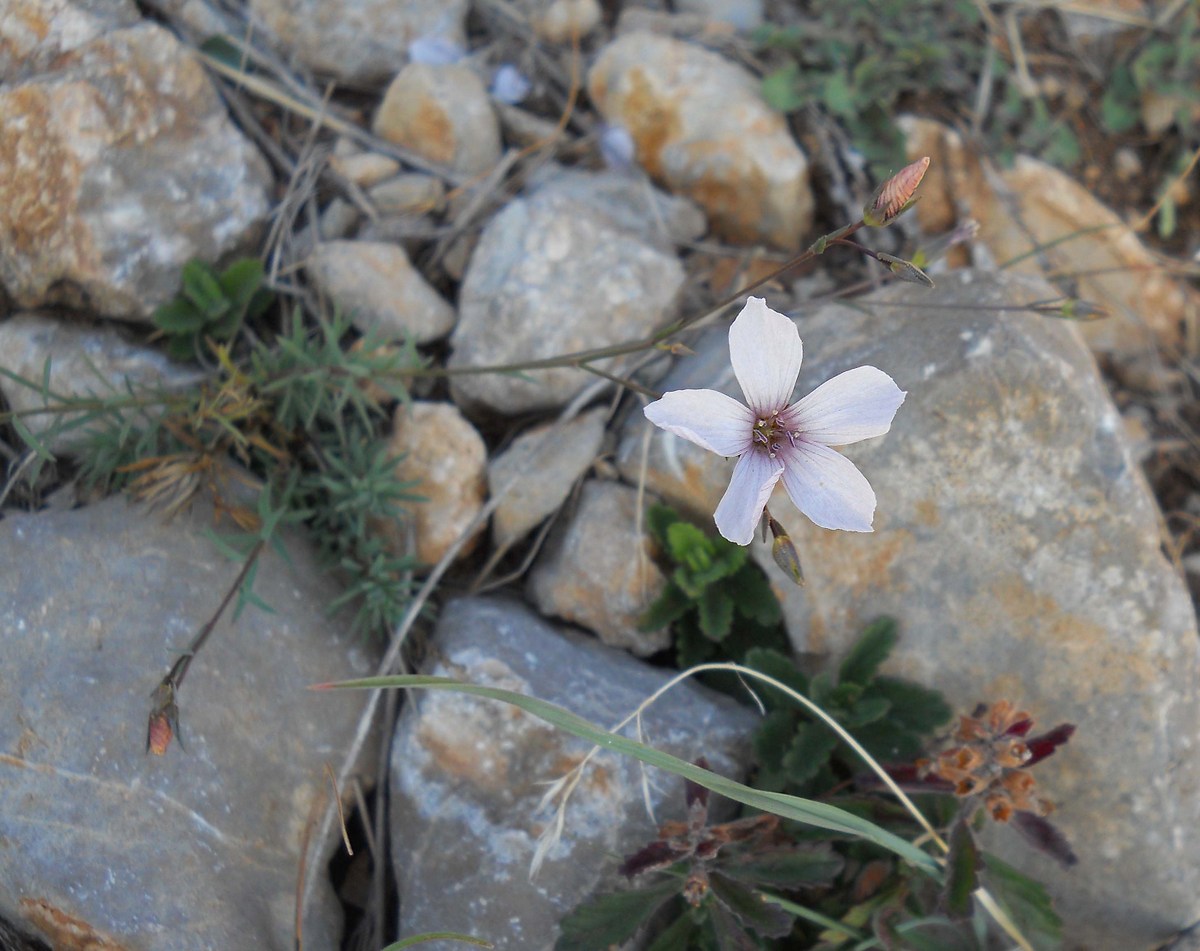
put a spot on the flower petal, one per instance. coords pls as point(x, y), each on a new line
point(711, 420)
point(742, 506)
point(765, 350)
point(826, 486)
point(854, 405)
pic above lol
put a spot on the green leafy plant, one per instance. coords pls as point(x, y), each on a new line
point(212, 306)
point(857, 60)
point(714, 874)
point(717, 602)
point(891, 718)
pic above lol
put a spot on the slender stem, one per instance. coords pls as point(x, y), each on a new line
point(180, 668)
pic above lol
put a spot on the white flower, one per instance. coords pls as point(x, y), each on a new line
point(774, 440)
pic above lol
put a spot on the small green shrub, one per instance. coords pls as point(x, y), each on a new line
point(212, 306)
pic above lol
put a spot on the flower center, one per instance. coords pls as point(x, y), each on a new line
point(768, 433)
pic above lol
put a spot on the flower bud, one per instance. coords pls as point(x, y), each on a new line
point(905, 270)
point(895, 195)
point(164, 720)
point(784, 552)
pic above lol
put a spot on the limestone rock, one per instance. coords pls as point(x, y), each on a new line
point(629, 202)
point(1033, 204)
point(470, 772)
point(537, 471)
point(117, 167)
point(551, 276)
point(84, 361)
point(365, 169)
point(196, 849)
point(441, 452)
point(1018, 546)
point(563, 19)
point(443, 113)
point(596, 570)
point(743, 15)
point(361, 42)
point(35, 33)
point(374, 283)
point(702, 128)
point(411, 194)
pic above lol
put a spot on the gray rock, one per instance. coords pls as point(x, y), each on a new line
point(362, 42)
point(1019, 548)
point(596, 570)
point(701, 127)
point(467, 775)
point(123, 165)
point(548, 277)
point(84, 361)
point(629, 202)
point(376, 286)
point(196, 849)
point(538, 470)
point(743, 15)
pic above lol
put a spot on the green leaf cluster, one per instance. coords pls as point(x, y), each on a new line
point(858, 60)
point(717, 602)
point(212, 305)
point(890, 717)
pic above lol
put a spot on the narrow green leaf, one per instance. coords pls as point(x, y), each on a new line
point(774, 664)
point(437, 936)
point(659, 519)
point(201, 287)
point(866, 711)
point(751, 909)
point(677, 937)
point(687, 544)
point(786, 868)
point(871, 650)
point(240, 280)
point(177, 317)
point(30, 440)
point(612, 919)
point(754, 597)
point(818, 814)
point(918, 708)
point(1026, 901)
point(811, 748)
point(773, 738)
point(962, 872)
point(667, 608)
point(715, 613)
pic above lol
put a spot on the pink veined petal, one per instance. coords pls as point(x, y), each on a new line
point(765, 350)
point(742, 506)
point(827, 487)
point(711, 420)
point(854, 405)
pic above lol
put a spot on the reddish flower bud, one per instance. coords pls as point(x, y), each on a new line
point(895, 194)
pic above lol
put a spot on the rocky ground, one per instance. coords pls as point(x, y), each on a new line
point(497, 184)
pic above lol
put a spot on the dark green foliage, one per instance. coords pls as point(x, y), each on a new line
point(890, 718)
point(857, 60)
point(718, 603)
point(1026, 901)
point(212, 306)
point(611, 919)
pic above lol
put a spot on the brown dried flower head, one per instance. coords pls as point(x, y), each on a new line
point(990, 757)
